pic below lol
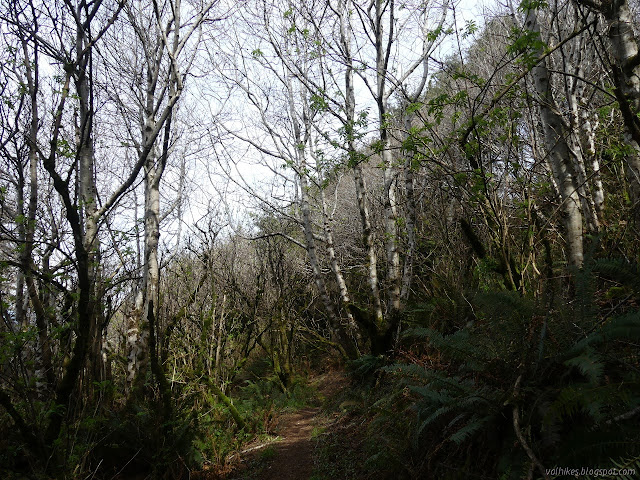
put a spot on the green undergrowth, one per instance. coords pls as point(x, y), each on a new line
point(259, 401)
point(263, 396)
point(345, 445)
point(128, 440)
point(523, 384)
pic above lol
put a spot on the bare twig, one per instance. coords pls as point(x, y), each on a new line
point(518, 431)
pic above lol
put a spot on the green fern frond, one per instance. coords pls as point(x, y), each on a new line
point(365, 366)
point(586, 398)
point(429, 394)
point(452, 423)
point(589, 364)
point(418, 333)
point(459, 385)
point(481, 399)
point(459, 345)
point(469, 430)
point(623, 327)
point(626, 464)
point(626, 469)
point(433, 417)
point(505, 305)
point(408, 370)
point(620, 271)
point(632, 462)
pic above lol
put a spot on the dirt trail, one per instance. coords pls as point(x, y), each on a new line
point(292, 456)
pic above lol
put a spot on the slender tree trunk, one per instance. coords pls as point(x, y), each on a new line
point(84, 268)
point(626, 73)
point(574, 90)
point(367, 240)
point(301, 140)
point(220, 342)
point(589, 123)
point(27, 227)
point(87, 188)
point(345, 9)
point(237, 417)
point(389, 169)
point(148, 300)
point(136, 343)
point(559, 154)
point(428, 43)
point(337, 271)
point(390, 219)
point(407, 274)
point(310, 244)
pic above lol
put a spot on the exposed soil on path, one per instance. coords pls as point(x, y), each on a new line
point(291, 456)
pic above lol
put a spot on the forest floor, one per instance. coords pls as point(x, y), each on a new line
point(291, 455)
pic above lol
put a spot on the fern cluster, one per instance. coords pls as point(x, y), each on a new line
point(528, 383)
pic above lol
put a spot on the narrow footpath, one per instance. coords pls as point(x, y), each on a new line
point(291, 456)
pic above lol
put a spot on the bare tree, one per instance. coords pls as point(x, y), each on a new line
point(625, 72)
point(167, 45)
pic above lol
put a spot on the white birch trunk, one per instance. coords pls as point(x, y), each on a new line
point(345, 8)
point(559, 154)
point(407, 274)
point(220, 343)
point(389, 177)
point(399, 279)
point(345, 298)
point(157, 112)
point(87, 187)
point(574, 90)
point(301, 141)
point(624, 50)
point(589, 122)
